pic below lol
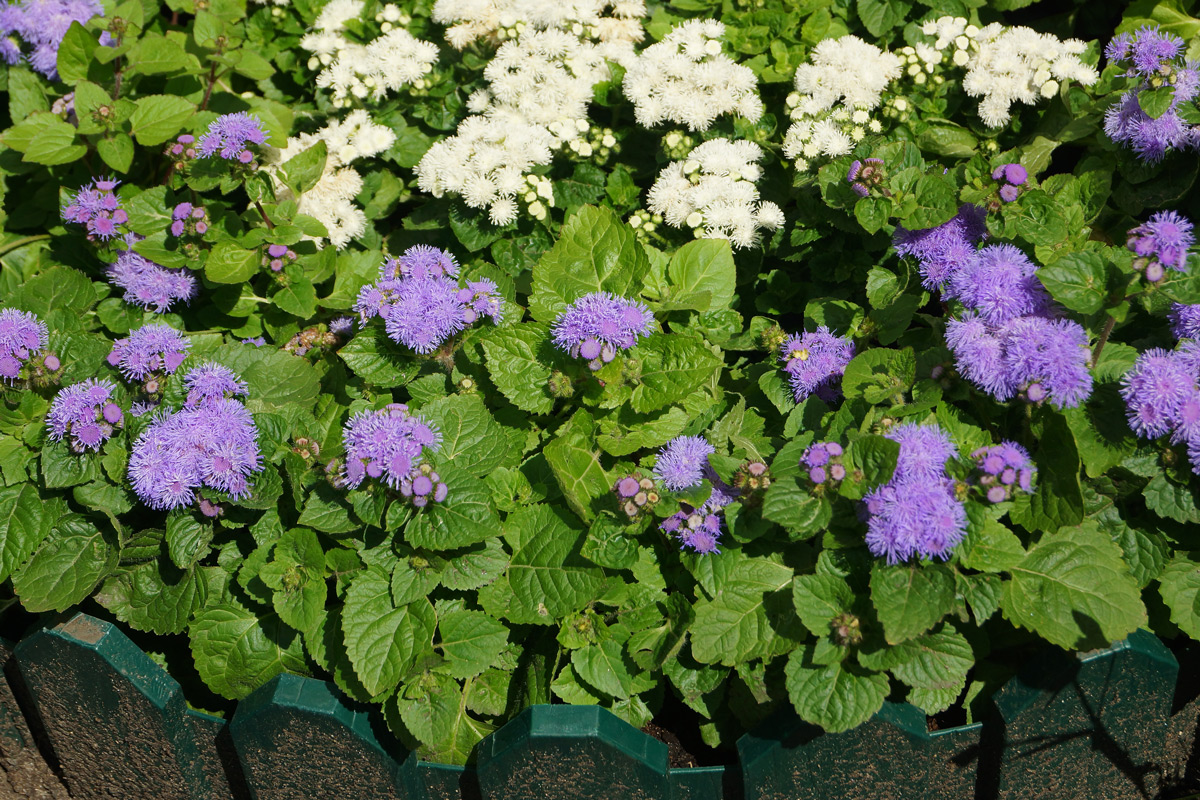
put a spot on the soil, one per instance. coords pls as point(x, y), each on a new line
point(677, 756)
point(952, 717)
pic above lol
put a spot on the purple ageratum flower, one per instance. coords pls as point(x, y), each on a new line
point(421, 261)
point(917, 518)
point(599, 324)
point(482, 299)
point(1012, 174)
point(1185, 320)
point(210, 383)
point(229, 135)
point(84, 414)
point(342, 326)
point(1004, 469)
point(424, 312)
point(823, 462)
point(924, 450)
point(1000, 284)
point(154, 348)
point(1160, 382)
point(696, 529)
point(1151, 139)
point(815, 362)
point(21, 335)
point(864, 174)
point(1166, 238)
point(1147, 51)
point(98, 208)
point(388, 444)
point(42, 24)
point(257, 341)
point(147, 284)
point(682, 461)
point(215, 446)
point(942, 251)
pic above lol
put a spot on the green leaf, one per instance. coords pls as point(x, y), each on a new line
point(51, 141)
point(595, 252)
point(549, 578)
point(1179, 585)
point(879, 374)
point(838, 696)
point(188, 539)
point(911, 599)
point(25, 521)
point(155, 54)
point(302, 171)
point(607, 667)
point(1077, 280)
point(382, 641)
point(297, 296)
point(75, 54)
point(1058, 500)
point(433, 708)
point(1171, 500)
point(230, 263)
point(276, 379)
point(947, 140)
point(472, 440)
point(376, 358)
point(935, 664)
point(869, 462)
point(576, 464)
point(116, 152)
point(296, 573)
point(513, 364)
point(703, 270)
point(1074, 590)
point(1156, 102)
point(57, 289)
point(66, 567)
point(158, 117)
point(465, 518)
point(672, 367)
point(819, 598)
point(237, 650)
point(880, 16)
point(735, 625)
point(154, 596)
point(989, 546)
point(62, 468)
point(471, 641)
point(799, 512)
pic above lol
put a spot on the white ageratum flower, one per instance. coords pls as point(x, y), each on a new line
point(713, 192)
point(337, 13)
point(498, 20)
point(847, 71)
point(686, 79)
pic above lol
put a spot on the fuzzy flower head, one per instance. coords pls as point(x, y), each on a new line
point(1003, 470)
point(425, 312)
point(1000, 283)
point(942, 251)
point(420, 261)
point(42, 25)
point(84, 414)
point(22, 335)
point(1185, 320)
point(147, 284)
point(389, 445)
point(151, 349)
point(924, 450)
point(682, 461)
point(1163, 240)
point(97, 207)
point(230, 135)
point(210, 383)
point(1156, 390)
point(696, 529)
point(1145, 52)
point(815, 362)
point(598, 325)
point(823, 462)
point(214, 445)
point(915, 518)
point(636, 495)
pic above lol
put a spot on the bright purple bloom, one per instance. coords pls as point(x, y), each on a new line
point(815, 362)
point(1155, 58)
point(628, 486)
point(682, 461)
point(1000, 284)
point(697, 529)
point(599, 324)
point(943, 250)
point(864, 174)
point(1009, 193)
point(84, 414)
point(1155, 390)
point(421, 261)
point(424, 313)
point(341, 326)
point(215, 445)
point(917, 518)
point(154, 348)
point(1014, 174)
point(42, 24)
point(1004, 469)
point(924, 450)
point(229, 136)
point(209, 383)
point(22, 335)
point(147, 284)
point(823, 460)
point(98, 208)
point(389, 444)
point(1165, 238)
point(1147, 50)
point(1185, 320)
point(482, 299)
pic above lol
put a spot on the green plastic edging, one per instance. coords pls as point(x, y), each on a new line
point(116, 720)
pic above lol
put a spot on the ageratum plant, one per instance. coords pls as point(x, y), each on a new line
point(690, 359)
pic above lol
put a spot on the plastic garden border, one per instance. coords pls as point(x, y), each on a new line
point(1068, 726)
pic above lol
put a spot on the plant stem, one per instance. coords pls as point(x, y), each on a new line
point(212, 81)
point(1104, 334)
point(13, 245)
point(266, 219)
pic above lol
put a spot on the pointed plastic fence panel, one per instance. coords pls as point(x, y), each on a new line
point(1085, 727)
point(890, 756)
point(299, 740)
point(117, 722)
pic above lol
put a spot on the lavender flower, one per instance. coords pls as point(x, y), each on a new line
point(151, 349)
point(1185, 320)
point(1155, 390)
point(389, 444)
point(1012, 174)
point(865, 174)
point(1147, 50)
point(188, 220)
point(22, 335)
point(918, 518)
point(421, 261)
point(636, 495)
point(1155, 58)
point(1000, 284)
point(823, 461)
point(924, 450)
point(697, 529)
point(84, 414)
point(942, 251)
point(682, 461)
point(42, 24)
point(229, 136)
point(482, 299)
point(1004, 470)
point(815, 362)
point(214, 445)
point(1164, 239)
point(97, 207)
point(599, 324)
point(342, 326)
point(210, 383)
point(147, 284)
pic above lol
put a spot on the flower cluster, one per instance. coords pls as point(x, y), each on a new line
point(596, 326)
point(865, 175)
point(230, 136)
point(835, 94)
point(1011, 178)
point(211, 442)
point(84, 414)
point(713, 192)
point(22, 336)
point(188, 220)
point(636, 495)
point(697, 528)
point(147, 284)
point(421, 302)
point(1004, 469)
point(152, 351)
point(278, 256)
point(916, 513)
point(42, 24)
point(823, 461)
point(815, 362)
point(389, 444)
point(942, 251)
point(686, 79)
point(1185, 320)
point(97, 207)
point(495, 21)
point(1155, 60)
point(1161, 242)
point(999, 284)
point(1162, 396)
point(682, 462)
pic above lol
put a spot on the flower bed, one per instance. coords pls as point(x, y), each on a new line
point(701, 362)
